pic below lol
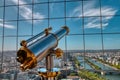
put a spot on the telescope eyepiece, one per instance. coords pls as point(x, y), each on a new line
point(21, 56)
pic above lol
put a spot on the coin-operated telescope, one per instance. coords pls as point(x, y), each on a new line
point(40, 46)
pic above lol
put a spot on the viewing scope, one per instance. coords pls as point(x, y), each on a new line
point(39, 47)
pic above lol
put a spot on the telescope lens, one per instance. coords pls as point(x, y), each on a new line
point(21, 56)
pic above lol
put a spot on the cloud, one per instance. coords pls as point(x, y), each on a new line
point(94, 23)
point(52, 5)
point(90, 9)
point(26, 12)
point(6, 25)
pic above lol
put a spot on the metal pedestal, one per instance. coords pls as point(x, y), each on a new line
point(50, 73)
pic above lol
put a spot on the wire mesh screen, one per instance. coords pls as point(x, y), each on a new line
point(93, 40)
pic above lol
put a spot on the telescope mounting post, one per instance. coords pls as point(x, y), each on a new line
point(49, 74)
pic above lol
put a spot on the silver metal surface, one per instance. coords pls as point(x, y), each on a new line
point(38, 36)
point(60, 33)
point(41, 47)
point(35, 37)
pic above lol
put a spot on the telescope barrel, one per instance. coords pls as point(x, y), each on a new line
point(29, 55)
point(38, 36)
point(48, 42)
point(60, 33)
point(45, 44)
point(33, 38)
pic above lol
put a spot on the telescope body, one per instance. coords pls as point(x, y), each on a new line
point(35, 49)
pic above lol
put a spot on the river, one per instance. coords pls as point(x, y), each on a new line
point(103, 67)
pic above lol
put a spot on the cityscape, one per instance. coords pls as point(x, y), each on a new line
point(104, 64)
point(91, 47)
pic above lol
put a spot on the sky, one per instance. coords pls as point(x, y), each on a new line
point(97, 18)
